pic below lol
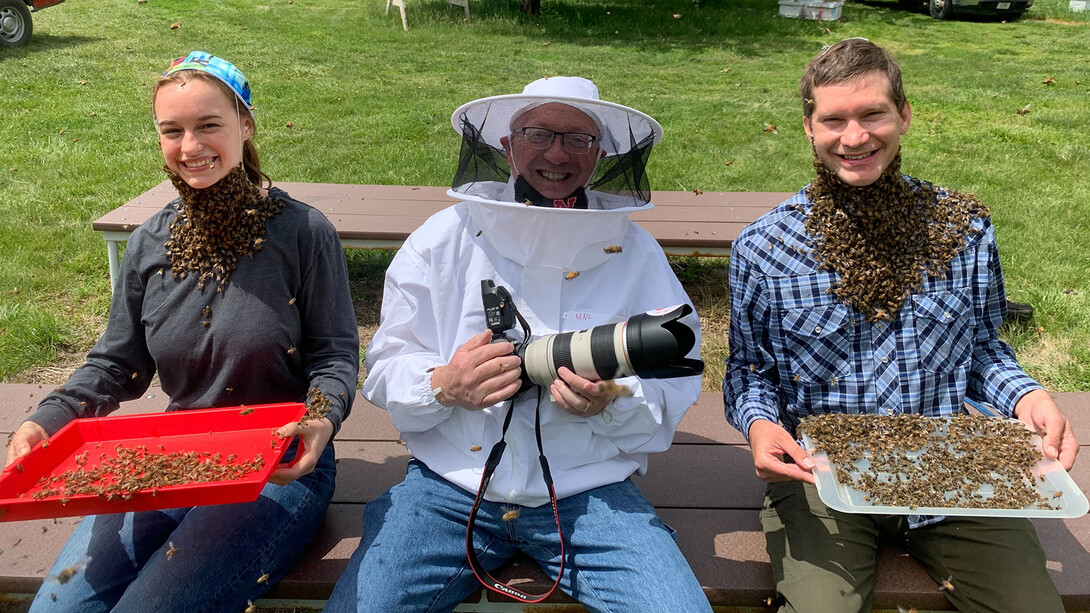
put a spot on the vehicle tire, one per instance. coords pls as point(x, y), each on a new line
point(15, 24)
point(941, 9)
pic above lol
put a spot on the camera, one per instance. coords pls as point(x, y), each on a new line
point(652, 345)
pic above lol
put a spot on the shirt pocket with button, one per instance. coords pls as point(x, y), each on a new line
point(819, 341)
point(944, 334)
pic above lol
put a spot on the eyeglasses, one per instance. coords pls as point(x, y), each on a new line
point(576, 143)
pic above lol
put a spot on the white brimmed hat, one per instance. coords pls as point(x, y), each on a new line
point(621, 127)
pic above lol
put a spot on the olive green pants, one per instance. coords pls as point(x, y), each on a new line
point(823, 560)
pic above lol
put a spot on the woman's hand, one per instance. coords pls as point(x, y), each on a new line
point(26, 437)
point(313, 438)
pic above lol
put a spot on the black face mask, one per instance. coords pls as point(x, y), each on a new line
point(525, 193)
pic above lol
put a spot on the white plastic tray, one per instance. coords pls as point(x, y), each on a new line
point(843, 497)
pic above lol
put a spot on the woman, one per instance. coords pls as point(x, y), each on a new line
point(235, 295)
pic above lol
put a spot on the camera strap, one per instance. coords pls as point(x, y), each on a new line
point(493, 461)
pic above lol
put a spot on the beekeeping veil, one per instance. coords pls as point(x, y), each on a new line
point(626, 137)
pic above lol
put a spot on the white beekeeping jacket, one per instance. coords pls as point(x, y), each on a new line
point(432, 306)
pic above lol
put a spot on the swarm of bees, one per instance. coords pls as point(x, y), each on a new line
point(137, 469)
point(214, 228)
point(317, 406)
point(882, 238)
point(914, 461)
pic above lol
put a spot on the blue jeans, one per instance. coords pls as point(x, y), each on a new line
point(221, 552)
point(619, 556)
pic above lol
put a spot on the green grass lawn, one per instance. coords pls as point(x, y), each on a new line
point(369, 103)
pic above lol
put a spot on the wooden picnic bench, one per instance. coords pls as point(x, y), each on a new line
point(382, 216)
point(704, 486)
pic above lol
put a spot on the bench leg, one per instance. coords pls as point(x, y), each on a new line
point(115, 263)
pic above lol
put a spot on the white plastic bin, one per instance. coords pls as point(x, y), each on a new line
point(811, 9)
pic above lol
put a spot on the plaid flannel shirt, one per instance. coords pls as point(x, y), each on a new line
point(796, 351)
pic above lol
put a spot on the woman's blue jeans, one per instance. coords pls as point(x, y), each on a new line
point(221, 552)
point(619, 556)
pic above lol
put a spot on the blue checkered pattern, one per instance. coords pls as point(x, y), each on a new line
point(217, 67)
point(796, 351)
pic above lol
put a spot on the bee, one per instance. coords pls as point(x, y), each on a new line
point(479, 232)
point(19, 467)
point(160, 272)
point(53, 597)
point(245, 412)
point(511, 515)
point(207, 312)
point(475, 448)
point(612, 387)
point(1022, 111)
point(135, 375)
point(250, 607)
point(770, 128)
point(66, 574)
point(946, 585)
point(173, 550)
point(697, 191)
point(1057, 494)
point(16, 544)
point(206, 323)
point(571, 275)
point(752, 368)
point(264, 578)
point(291, 350)
point(230, 389)
point(612, 249)
point(1049, 81)
point(291, 302)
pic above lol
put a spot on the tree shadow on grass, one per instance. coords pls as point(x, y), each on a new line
point(749, 27)
point(40, 43)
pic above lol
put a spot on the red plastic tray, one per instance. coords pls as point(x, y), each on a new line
point(244, 431)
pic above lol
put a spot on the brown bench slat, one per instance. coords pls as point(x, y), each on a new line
point(391, 212)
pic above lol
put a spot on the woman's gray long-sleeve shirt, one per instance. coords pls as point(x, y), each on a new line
point(283, 324)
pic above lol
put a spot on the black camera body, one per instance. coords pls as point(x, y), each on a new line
point(651, 345)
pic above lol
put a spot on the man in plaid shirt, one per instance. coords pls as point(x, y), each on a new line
point(873, 292)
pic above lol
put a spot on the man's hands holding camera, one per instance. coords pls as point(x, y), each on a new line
point(579, 396)
point(479, 374)
point(482, 373)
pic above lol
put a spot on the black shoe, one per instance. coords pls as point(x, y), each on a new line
point(1018, 312)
